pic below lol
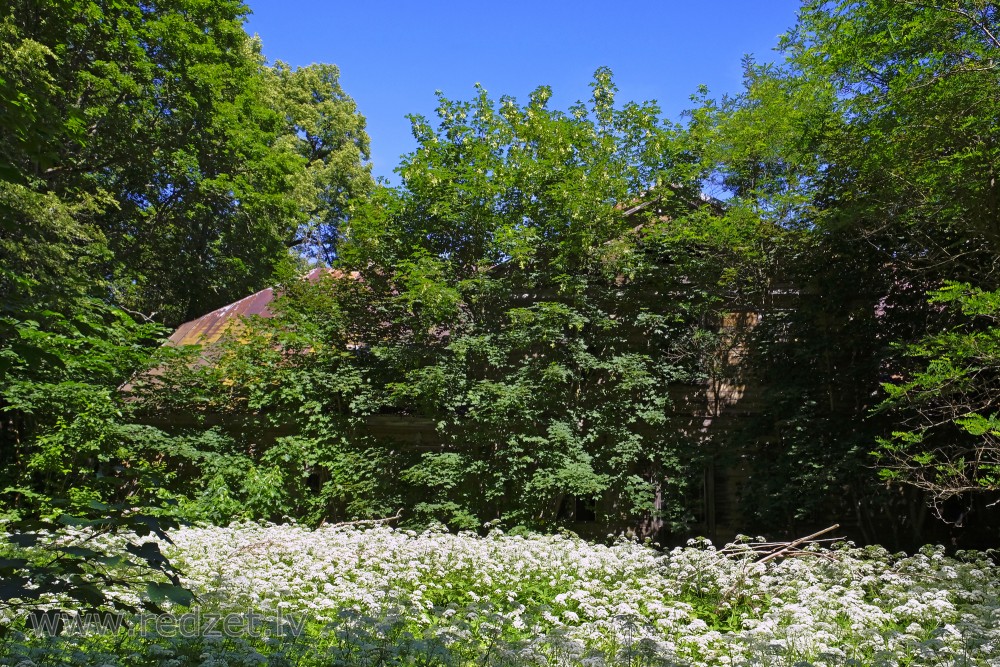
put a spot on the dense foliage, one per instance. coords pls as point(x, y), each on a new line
point(874, 144)
point(540, 305)
point(950, 446)
point(547, 323)
point(542, 324)
point(184, 158)
point(530, 300)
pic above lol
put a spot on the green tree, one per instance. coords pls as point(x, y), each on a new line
point(200, 164)
point(947, 440)
point(62, 349)
point(325, 129)
point(874, 143)
point(911, 174)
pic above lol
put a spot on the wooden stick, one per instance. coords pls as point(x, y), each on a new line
point(370, 522)
point(797, 542)
point(761, 548)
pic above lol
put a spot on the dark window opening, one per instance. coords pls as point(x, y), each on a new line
point(580, 510)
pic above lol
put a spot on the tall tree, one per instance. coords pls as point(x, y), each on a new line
point(326, 130)
point(187, 146)
point(913, 174)
point(148, 161)
point(892, 195)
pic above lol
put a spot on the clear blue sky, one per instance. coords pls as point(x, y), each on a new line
point(394, 55)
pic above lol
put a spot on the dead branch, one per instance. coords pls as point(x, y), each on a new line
point(368, 522)
point(796, 543)
point(770, 550)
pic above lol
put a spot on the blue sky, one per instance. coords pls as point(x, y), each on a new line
point(394, 55)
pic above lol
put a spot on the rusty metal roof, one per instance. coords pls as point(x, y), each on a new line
point(209, 328)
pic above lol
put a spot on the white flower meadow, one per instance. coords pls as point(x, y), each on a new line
point(690, 605)
point(380, 596)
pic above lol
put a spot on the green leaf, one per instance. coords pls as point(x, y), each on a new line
point(159, 593)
